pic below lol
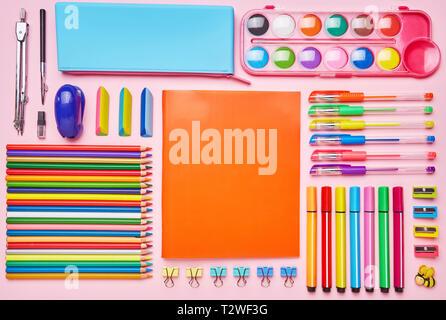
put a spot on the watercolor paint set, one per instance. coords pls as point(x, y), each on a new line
point(338, 44)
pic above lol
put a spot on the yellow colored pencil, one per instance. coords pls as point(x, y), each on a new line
point(77, 178)
point(79, 160)
point(78, 275)
point(75, 239)
point(76, 257)
point(77, 196)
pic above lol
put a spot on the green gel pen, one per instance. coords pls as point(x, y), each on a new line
point(384, 255)
point(347, 110)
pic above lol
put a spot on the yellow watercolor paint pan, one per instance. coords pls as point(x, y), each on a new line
point(102, 111)
point(125, 113)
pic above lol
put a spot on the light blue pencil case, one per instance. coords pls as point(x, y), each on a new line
point(145, 38)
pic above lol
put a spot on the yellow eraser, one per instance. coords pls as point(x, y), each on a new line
point(102, 107)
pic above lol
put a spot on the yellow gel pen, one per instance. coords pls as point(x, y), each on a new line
point(347, 124)
point(341, 268)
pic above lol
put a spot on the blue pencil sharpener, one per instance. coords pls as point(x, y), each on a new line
point(69, 105)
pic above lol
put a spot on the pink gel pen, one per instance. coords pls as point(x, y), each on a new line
point(369, 238)
point(398, 239)
point(350, 155)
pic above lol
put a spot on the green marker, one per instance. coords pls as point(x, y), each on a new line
point(384, 255)
point(346, 110)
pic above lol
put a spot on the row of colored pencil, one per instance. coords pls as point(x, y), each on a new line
point(79, 209)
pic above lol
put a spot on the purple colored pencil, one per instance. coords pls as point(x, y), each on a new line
point(72, 153)
point(76, 190)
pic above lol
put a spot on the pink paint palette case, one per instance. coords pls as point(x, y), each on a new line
point(338, 44)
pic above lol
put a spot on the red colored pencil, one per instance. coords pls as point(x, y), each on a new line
point(60, 172)
point(326, 238)
point(76, 245)
point(75, 147)
point(78, 203)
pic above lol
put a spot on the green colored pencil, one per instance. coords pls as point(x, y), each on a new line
point(76, 263)
point(76, 220)
point(73, 184)
point(75, 166)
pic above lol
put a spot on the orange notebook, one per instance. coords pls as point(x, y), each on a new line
point(231, 174)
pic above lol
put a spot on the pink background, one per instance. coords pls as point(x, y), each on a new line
point(154, 288)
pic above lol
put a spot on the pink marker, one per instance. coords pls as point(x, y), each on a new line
point(369, 238)
point(350, 155)
point(398, 239)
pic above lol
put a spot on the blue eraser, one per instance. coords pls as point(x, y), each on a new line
point(146, 113)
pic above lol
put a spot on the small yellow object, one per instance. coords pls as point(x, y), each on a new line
point(429, 124)
point(388, 59)
point(194, 272)
point(425, 231)
point(170, 272)
point(102, 111)
point(125, 113)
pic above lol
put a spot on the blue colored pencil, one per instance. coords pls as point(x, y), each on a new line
point(77, 190)
point(78, 269)
point(74, 209)
point(78, 233)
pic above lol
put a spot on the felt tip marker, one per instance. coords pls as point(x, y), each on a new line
point(311, 239)
point(369, 239)
point(341, 260)
point(384, 253)
point(355, 242)
point(326, 238)
point(398, 239)
point(333, 96)
point(336, 139)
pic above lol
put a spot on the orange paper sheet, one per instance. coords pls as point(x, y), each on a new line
point(230, 193)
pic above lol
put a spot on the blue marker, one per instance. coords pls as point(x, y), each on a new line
point(355, 242)
point(347, 139)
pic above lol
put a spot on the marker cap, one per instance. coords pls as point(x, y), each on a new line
point(398, 199)
point(355, 196)
point(369, 199)
point(340, 199)
point(383, 199)
point(311, 198)
point(326, 199)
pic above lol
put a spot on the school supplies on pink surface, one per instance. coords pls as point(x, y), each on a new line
point(338, 44)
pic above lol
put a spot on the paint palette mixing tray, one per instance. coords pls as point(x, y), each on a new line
point(338, 44)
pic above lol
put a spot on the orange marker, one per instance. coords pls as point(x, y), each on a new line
point(331, 96)
point(311, 238)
